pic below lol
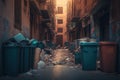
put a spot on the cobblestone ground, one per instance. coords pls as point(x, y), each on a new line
point(63, 68)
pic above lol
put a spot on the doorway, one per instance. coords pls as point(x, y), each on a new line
point(59, 40)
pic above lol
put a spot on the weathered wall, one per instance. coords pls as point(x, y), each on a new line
point(83, 7)
point(115, 20)
point(26, 19)
point(115, 24)
point(69, 10)
point(69, 16)
point(7, 18)
point(115, 11)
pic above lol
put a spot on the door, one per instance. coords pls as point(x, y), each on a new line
point(59, 39)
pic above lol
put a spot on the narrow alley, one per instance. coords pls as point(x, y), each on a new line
point(59, 39)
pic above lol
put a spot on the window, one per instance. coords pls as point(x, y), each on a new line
point(60, 21)
point(60, 30)
point(17, 13)
point(60, 10)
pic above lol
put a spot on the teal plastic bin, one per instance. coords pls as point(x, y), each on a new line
point(25, 59)
point(25, 56)
point(89, 55)
point(32, 54)
point(11, 60)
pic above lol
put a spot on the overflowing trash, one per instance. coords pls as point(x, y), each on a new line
point(63, 57)
point(19, 37)
point(37, 57)
point(33, 42)
point(36, 54)
point(78, 55)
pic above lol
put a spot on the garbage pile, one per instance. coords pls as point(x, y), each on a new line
point(63, 57)
point(46, 58)
point(70, 60)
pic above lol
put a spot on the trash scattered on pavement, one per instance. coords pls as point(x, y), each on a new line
point(41, 65)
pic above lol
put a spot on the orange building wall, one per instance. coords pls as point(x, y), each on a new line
point(62, 3)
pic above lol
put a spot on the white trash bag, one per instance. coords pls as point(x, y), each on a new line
point(41, 64)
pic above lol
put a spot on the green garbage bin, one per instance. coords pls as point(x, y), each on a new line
point(11, 60)
point(89, 55)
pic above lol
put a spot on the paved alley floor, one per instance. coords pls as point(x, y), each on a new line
point(63, 71)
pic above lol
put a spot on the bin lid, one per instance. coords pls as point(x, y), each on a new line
point(19, 37)
point(107, 43)
point(10, 44)
point(88, 43)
